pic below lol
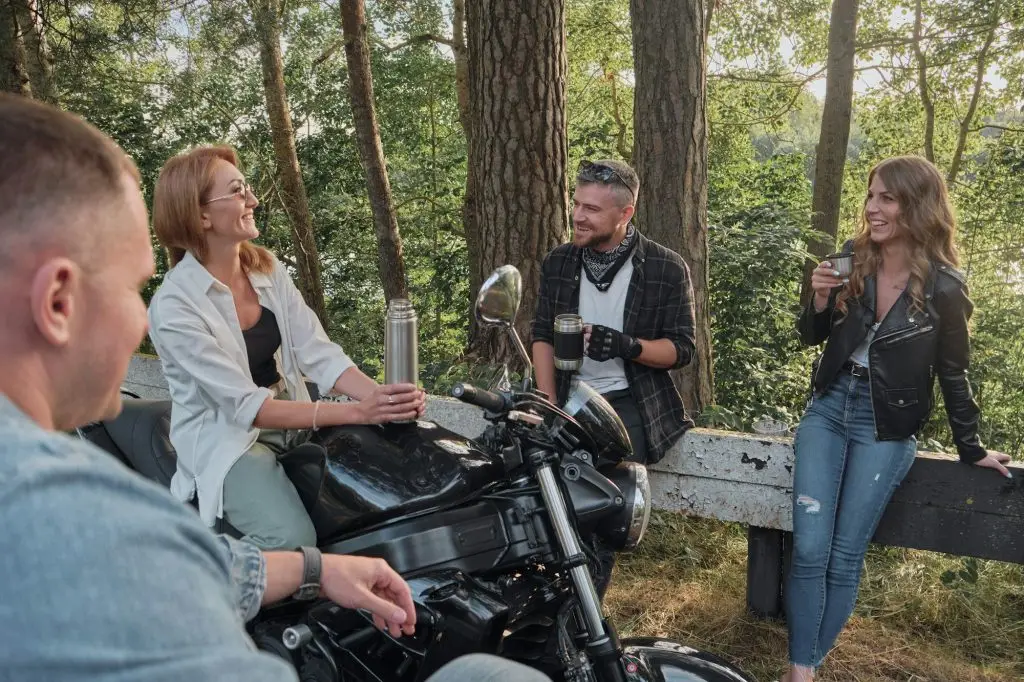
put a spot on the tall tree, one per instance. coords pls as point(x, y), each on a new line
point(267, 18)
point(517, 164)
point(371, 151)
point(830, 159)
point(470, 227)
point(670, 151)
point(13, 75)
point(37, 54)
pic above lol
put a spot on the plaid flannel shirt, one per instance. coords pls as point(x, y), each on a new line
point(659, 305)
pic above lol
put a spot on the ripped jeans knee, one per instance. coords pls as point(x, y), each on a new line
point(808, 504)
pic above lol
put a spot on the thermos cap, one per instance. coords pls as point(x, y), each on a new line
point(400, 307)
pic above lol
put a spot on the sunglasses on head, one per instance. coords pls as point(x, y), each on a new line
point(598, 172)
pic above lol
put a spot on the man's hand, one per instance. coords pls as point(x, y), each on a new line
point(995, 460)
point(604, 343)
point(357, 582)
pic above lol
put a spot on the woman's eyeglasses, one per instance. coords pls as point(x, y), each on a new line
point(239, 192)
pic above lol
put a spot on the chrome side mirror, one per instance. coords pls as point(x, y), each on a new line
point(499, 297)
point(497, 305)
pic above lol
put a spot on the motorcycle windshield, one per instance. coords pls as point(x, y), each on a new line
point(603, 428)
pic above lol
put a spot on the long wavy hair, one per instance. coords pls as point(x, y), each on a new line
point(184, 184)
point(925, 221)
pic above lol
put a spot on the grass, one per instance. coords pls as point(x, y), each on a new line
point(687, 581)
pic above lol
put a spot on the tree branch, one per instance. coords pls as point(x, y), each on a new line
point(1009, 129)
point(979, 79)
point(423, 38)
point(930, 35)
point(412, 200)
point(620, 137)
point(922, 82)
point(327, 53)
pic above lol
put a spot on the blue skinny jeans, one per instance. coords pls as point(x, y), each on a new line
point(842, 482)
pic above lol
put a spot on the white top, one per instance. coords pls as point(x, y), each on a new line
point(194, 326)
point(860, 353)
point(606, 308)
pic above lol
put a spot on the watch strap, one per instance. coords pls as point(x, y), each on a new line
point(312, 567)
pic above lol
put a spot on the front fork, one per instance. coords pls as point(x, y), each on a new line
point(602, 644)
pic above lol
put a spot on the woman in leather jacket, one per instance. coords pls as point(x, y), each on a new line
point(900, 321)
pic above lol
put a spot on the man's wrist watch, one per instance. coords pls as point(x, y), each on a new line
point(312, 565)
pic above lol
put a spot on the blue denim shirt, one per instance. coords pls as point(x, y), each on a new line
point(105, 576)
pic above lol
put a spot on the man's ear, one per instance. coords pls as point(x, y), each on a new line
point(55, 291)
point(627, 213)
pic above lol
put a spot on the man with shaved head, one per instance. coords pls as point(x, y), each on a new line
point(104, 575)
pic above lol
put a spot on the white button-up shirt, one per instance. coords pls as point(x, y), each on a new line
point(194, 326)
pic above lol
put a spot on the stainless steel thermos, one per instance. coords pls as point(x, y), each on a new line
point(568, 342)
point(401, 343)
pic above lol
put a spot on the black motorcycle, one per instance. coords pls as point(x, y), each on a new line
point(494, 535)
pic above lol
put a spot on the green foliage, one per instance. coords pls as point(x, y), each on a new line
point(757, 252)
point(162, 76)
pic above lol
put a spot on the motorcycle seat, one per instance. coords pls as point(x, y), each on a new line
point(141, 436)
point(142, 433)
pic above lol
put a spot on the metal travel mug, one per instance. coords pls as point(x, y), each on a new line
point(841, 263)
point(568, 342)
point(401, 343)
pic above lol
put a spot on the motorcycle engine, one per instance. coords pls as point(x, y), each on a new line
point(455, 615)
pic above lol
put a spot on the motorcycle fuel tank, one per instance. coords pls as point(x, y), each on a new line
point(377, 473)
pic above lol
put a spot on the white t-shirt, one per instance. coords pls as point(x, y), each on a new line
point(860, 353)
point(605, 308)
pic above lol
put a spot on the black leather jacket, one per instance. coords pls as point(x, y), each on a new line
point(907, 353)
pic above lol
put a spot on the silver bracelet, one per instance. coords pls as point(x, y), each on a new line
point(316, 409)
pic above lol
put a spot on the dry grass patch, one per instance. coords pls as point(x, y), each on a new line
point(688, 582)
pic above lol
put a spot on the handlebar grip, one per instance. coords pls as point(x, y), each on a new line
point(468, 393)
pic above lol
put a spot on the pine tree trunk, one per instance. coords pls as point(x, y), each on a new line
point(518, 156)
point(830, 159)
point(13, 75)
point(266, 16)
point(470, 229)
point(389, 242)
point(670, 151)
point(38, 63)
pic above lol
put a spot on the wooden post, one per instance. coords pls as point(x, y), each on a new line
point(764, 571)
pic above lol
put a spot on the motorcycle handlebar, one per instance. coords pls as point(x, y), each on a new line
point(492, 402)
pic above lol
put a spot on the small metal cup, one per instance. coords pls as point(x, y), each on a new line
point(841, 263)
point(568, 342)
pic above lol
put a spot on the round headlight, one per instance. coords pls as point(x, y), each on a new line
point(627, 528)
point(639, 508)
